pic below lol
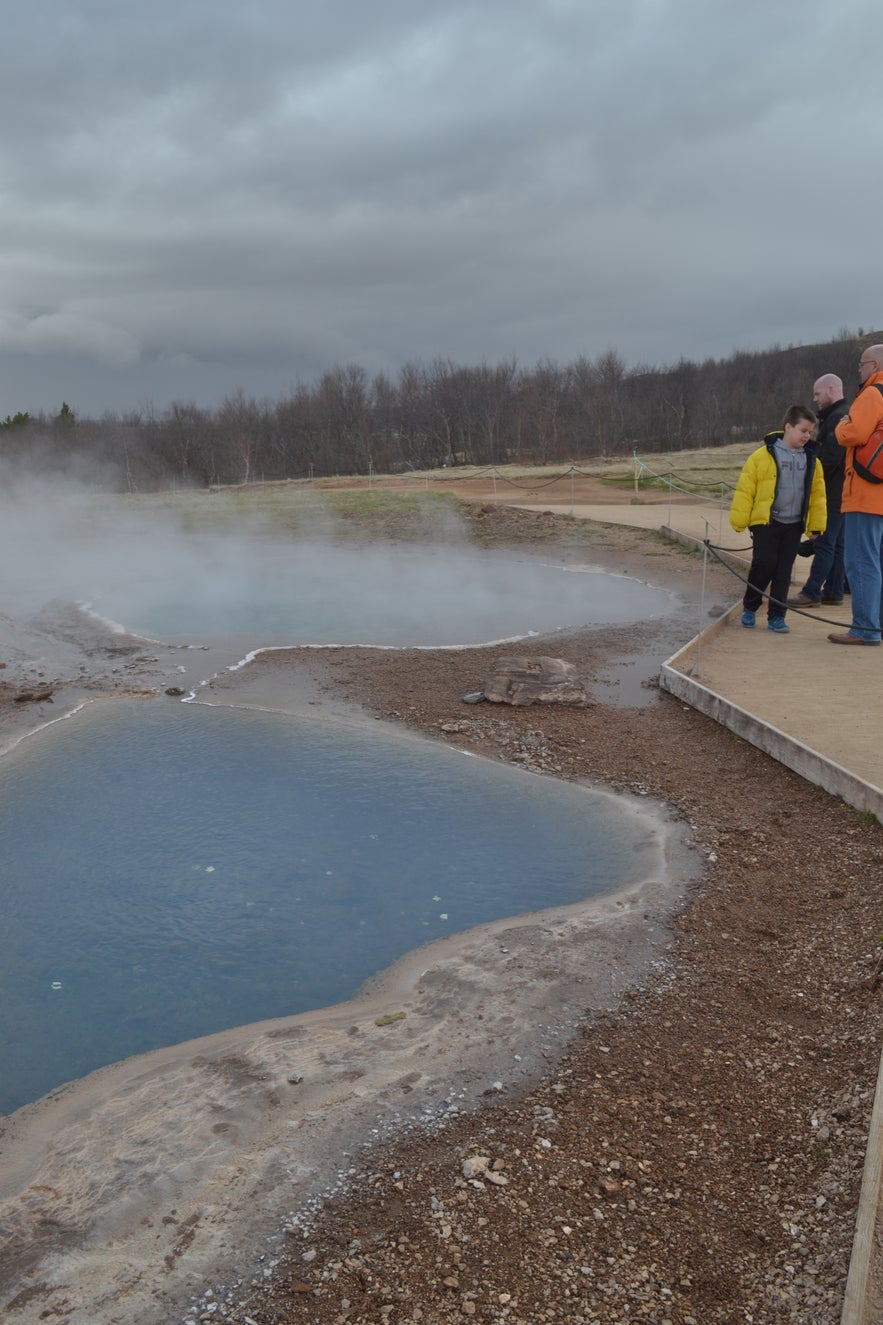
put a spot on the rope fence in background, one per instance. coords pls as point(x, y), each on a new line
point(716, 492)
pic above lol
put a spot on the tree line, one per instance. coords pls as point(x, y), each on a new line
point(437, 414)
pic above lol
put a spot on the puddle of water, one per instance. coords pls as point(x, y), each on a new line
point(169, 872)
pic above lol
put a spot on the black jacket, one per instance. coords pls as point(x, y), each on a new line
point(830, 452)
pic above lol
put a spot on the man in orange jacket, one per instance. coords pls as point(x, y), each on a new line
point(862, 505)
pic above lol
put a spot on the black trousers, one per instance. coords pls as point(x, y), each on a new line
point(775, 551)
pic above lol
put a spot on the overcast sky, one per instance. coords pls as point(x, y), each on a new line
point(205, 195)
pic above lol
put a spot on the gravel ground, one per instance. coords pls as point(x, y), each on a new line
point(694, 1157)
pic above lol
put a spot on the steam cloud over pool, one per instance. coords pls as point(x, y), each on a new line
point(318, 593)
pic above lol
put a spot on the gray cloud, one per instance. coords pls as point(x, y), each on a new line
point(202, 196)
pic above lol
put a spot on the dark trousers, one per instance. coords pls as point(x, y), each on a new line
point(775, 551)
point(825, 579)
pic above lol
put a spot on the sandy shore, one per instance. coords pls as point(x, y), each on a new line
point(682, 1073)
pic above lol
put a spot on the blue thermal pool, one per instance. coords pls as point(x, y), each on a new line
point(170, 871)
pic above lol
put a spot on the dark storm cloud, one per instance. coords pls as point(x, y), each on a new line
point(202, 196)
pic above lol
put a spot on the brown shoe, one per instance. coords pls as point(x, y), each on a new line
point(832, 602)
point(804, 600)
point(847, 638)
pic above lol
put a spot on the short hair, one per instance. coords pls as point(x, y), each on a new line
point(795, 413)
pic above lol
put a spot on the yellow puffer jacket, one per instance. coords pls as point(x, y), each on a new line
point(755, 493)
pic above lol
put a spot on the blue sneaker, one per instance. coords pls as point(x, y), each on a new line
point(748, 619)
point(777, 623)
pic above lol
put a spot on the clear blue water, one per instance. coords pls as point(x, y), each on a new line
point(325, 593)
point(168, 872)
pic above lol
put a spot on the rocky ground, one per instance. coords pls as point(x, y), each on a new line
point(694, 1155)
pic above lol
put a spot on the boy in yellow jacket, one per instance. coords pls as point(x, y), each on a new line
point(779, 495)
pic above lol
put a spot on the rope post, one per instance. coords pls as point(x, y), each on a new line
point(670, 491)
point(494, 477)
point(571, 489)
point(637, 470)
point(696, 669)
point(720, 521)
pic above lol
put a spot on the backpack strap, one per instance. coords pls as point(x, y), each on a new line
point(870, 466)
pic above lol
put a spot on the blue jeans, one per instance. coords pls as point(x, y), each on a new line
point(864, 569)
point(825, 578)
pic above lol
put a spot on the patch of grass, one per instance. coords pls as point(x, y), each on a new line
point(288, 509)
point(684, 485)
point(379, 501)
point(867, 819)
point(390, 1018)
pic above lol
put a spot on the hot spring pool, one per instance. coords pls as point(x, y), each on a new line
point(172, 871)
point(331, 594)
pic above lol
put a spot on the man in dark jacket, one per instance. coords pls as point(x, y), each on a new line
point(826, 578)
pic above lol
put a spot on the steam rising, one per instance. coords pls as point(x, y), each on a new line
point(195, 567)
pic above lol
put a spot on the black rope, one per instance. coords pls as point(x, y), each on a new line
point(718, 547)
point(777, 602)
point(532, 487)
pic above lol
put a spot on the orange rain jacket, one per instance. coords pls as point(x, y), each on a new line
point(865, 412)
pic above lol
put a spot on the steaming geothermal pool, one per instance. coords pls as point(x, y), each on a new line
point(325, 593)
point(170, 871)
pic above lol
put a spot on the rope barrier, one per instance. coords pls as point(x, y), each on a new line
point(777, 602)
point(532, 487)
point(668, 479)
point(720, 548)
point(671, 480)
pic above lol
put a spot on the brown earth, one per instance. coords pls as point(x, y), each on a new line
point(695, 1155)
